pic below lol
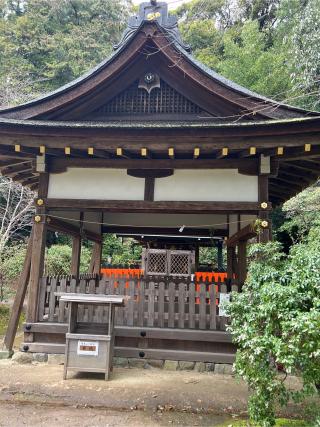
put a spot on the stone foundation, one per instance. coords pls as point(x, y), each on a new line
point(123, 362)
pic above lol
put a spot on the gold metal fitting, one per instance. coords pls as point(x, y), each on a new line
point(37, 218)
point(264, 224)
point(264, 205)
point(40, 202)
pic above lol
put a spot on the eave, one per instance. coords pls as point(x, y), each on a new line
point(239, 102)
point(298, 165)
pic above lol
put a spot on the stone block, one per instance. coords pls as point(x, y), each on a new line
point(5, 354)
point(154, 363)
point(40, 357)
point(22, 358)
point(170, 365)
point(186, 366)
point(136, 363)
point(56, 359)
point(120, 362)
point(210, 367)
point(223, 368)
point(200, 367)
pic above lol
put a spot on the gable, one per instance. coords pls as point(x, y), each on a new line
point(140, 100)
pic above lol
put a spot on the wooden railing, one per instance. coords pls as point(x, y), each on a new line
point(152, 302)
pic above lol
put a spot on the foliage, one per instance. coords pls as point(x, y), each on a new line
point(118, 250)
point(16, 209)
point(11, 264)
point(305, 50)
point(248, 61)
point(268, 46)
point(302, 213)
point(4, 317)
point(47, 43)
point(276, 323)
point(280, 422)
point(58, 260)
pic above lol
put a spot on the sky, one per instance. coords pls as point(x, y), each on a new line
point(173, 4)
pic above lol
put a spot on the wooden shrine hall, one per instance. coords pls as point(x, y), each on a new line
point(152, 143)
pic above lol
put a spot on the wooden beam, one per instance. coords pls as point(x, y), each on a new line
point(95, 262)
point(263, 189)
point(249, 165)
point(38, 249)
point(76, 249)
point(243, 234)
point(14, 170)
point(149, 184)
point(300, 153)
point(230, 256)
point(19, 298)
point(76, 254)
point(37, 266)
point(150, 207)
point(61, 226)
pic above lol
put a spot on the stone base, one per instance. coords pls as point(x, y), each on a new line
point(124, 362)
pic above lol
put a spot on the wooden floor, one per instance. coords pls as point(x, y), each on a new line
point(148, 343)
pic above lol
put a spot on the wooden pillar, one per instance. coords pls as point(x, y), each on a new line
point(220, 255)
point(76, 254)
point(263, 184)
point(19, 298)
point(196, 257)
point(242, 262)
point(76, 250)
point(95, 262)
point(230, 251)
point(38, 249)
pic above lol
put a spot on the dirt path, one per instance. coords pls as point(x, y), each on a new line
point(36, 395)
point(39, 415)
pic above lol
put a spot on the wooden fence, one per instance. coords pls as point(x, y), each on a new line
point(152, 302)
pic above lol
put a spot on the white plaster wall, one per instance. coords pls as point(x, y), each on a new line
point(223, 185)
point(90, 183)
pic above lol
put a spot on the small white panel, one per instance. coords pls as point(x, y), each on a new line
point(90, 183)
point(220, 185)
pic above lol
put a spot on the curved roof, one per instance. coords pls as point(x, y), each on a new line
point(138, 33)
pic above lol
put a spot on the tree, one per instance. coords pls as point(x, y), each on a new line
point(249, 61)
point(16, 210)
point(51, 42)
point(306, 55)
point(275, 321)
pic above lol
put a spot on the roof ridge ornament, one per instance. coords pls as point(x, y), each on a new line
point(153, 11)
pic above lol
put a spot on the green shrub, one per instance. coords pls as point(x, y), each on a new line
point(275, 322)
point(11, 266)
point(58, 260)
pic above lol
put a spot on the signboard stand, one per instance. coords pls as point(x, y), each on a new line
point(89, 346)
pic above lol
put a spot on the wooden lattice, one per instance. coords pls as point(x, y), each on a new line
point(135, 100)
point(157, 262)
point(180, 264)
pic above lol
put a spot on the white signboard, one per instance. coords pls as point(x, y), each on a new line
point(224, 300)
point(88, 348)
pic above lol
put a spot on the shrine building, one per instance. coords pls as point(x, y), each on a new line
point(152, 144)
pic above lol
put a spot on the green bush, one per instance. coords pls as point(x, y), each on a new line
point(275, 322)
point(11, 265)
point(58, 260)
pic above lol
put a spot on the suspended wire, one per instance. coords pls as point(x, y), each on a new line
point(145, 226)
